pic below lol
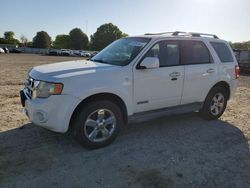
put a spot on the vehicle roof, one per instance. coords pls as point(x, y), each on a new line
point(182, 36)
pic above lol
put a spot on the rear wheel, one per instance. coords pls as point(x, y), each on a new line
point(215, 103)
point(98, 124)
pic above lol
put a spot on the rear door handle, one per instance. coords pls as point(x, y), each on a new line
point(210, 70)
point(174, 74)
point(173, 79)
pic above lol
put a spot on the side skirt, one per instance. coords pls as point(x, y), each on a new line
point(148, 115)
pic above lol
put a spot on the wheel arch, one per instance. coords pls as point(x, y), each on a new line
point(224, 85)
point(107, 96)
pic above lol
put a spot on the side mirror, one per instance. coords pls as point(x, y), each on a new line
point(150, 63)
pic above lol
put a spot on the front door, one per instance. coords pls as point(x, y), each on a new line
point(161, 87)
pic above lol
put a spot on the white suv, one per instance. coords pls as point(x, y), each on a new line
point(134, 77)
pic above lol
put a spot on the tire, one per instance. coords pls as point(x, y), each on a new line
point(208, 110)
point(98, 124)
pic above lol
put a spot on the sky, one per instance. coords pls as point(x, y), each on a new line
point(228, 19)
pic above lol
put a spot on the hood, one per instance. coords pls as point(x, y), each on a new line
point(54, 71)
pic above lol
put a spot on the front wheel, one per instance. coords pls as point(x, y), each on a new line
point(98, 124)
point(215, 103)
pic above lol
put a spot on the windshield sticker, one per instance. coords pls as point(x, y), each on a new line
point(136, 43)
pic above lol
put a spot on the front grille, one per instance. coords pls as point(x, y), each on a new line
point(29, 87)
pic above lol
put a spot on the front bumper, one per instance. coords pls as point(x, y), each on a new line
point(53, 113)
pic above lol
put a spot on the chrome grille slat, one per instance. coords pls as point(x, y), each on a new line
point(29, 87)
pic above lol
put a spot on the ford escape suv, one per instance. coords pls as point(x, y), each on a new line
point(132, 78)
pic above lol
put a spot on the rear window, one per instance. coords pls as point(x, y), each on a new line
point(222, 51)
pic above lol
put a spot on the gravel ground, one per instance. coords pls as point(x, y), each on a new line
point(176, 151)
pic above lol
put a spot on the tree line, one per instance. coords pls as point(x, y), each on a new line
point(76, 39)
point(240, 45)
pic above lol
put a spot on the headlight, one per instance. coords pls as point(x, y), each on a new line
point(45, 89)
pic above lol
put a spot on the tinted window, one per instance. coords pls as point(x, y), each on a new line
point(222, 51)
point(167, 52)
point(121, 52)
point(195, 52)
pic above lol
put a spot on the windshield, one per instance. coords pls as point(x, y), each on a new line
point(122, 51)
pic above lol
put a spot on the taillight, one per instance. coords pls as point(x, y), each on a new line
point(237, 71)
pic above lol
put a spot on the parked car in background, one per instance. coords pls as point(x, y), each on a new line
point(8, 47)
point(2, 51)
point(81, 53)
point(53, 52)
point(93, 54)
point(68, 52)
point(85, 54)
point(133, 78)
point(15, 50)
point(6, 50)
point(77, 52)
point(65, 52)
point(243, 58)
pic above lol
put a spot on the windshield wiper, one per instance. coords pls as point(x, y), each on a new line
point(99, 61)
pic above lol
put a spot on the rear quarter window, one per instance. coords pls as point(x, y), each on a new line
point(222, 51)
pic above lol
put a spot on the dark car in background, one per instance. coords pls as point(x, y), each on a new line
point(243, 58)
point(15, 50)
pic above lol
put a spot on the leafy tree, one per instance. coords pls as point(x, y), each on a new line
point(105, 34)
point(78, 39)
point(62, 41)
point(124, 35)
point(30, 44)
point(2, 41)
point(42, 40)
point(9, 38)
point(24, 40)
point(9, 35)
point(241, 45)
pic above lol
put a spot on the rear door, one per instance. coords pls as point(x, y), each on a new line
point(200, 71)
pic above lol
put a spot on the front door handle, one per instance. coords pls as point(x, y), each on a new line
point(174, 74)
point(210, 70)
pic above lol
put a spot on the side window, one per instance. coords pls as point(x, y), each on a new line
point(222, 51)
point(195, 52)
point(167, 52)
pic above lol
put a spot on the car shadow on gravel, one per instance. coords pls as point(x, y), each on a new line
point(176, 151)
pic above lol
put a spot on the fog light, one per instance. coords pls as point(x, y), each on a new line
point(41, 117)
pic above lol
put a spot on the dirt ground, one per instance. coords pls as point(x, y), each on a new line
point(177, 151)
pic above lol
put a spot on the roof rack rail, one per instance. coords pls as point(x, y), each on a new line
point(176, 33)
point(163, 33)
point(183, 33)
